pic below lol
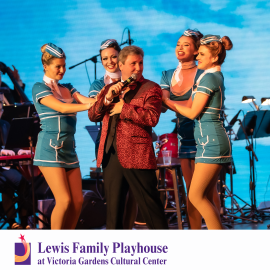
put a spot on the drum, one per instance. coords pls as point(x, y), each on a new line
point(168, 141)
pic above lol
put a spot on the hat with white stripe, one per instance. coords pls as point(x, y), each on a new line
point(189, 33)
point(106, 43)
point(54, 50)
point(210, 38)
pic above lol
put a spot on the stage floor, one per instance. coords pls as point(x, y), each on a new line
point(236, 226)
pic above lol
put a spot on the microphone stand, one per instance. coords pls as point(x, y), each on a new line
point(93, 59)
point(231, 216)
point(254, 213)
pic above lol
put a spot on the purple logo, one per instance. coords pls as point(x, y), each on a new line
point(22, 252)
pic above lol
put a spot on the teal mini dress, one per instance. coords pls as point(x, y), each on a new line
point(213, 144)
point(185, 126)
point(56, 144)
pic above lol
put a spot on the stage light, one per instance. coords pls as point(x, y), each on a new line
point(249, 99)
point(265, 101)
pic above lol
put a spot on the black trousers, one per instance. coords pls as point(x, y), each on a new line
point(143, 184)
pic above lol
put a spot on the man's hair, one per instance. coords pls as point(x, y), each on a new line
point(129, 50)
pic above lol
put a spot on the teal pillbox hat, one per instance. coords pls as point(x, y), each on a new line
point(106, 43)
point(209, 38)
point(54, 50)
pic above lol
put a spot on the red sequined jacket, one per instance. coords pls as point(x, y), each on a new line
point(134, 127)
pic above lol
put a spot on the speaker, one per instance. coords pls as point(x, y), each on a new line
point(93, 214)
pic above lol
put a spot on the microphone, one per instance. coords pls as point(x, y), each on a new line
point(132, 78)
point(233, 121)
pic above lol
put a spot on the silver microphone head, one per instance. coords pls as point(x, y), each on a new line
point(134, 76)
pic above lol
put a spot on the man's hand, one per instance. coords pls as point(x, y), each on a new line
point(114, 91)
point(15, 73)
point(117, 109)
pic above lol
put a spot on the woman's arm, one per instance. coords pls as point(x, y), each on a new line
point(82, 99)
point(166, 95)
point(193, 109)
point(55, 104)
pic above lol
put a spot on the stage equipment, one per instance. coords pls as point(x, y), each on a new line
point(265, 101)
point(93, 213)
point(93, 206)
point(171, 185)
point(27, 129)
point(94, 58)
point(249, 99)
point(168, 141)
point(254, 125)
point(229, 215)
point(177, 188)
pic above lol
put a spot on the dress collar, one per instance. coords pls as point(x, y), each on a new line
point(109, 76)
point(210, 70)
point(48, 80)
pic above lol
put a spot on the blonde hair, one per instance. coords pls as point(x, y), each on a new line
point(46, 57)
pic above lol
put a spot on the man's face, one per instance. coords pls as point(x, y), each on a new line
point(133, 64)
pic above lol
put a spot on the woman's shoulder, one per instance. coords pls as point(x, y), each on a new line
point(169, 72)
point(211, 80)
point(40, 86)
point(214, 77)
point(199, 72)
point(209, 77)
point(98, 84)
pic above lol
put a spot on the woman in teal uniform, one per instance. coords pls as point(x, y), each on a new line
point(177, 85)
point(213, 145)
point(109, 50)
point(57, 105)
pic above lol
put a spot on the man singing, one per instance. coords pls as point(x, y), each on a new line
point(125, 150)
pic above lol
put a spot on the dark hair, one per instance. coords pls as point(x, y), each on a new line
point(219, 48)
point(112, 45)
point(195, 39)
point(129, 50)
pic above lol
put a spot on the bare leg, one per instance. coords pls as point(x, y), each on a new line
point(203, 182)
point(131, 211)
point(216, 198)
point(74, 179)
point(213, 197)
point(57, 180)
point(195, 218)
